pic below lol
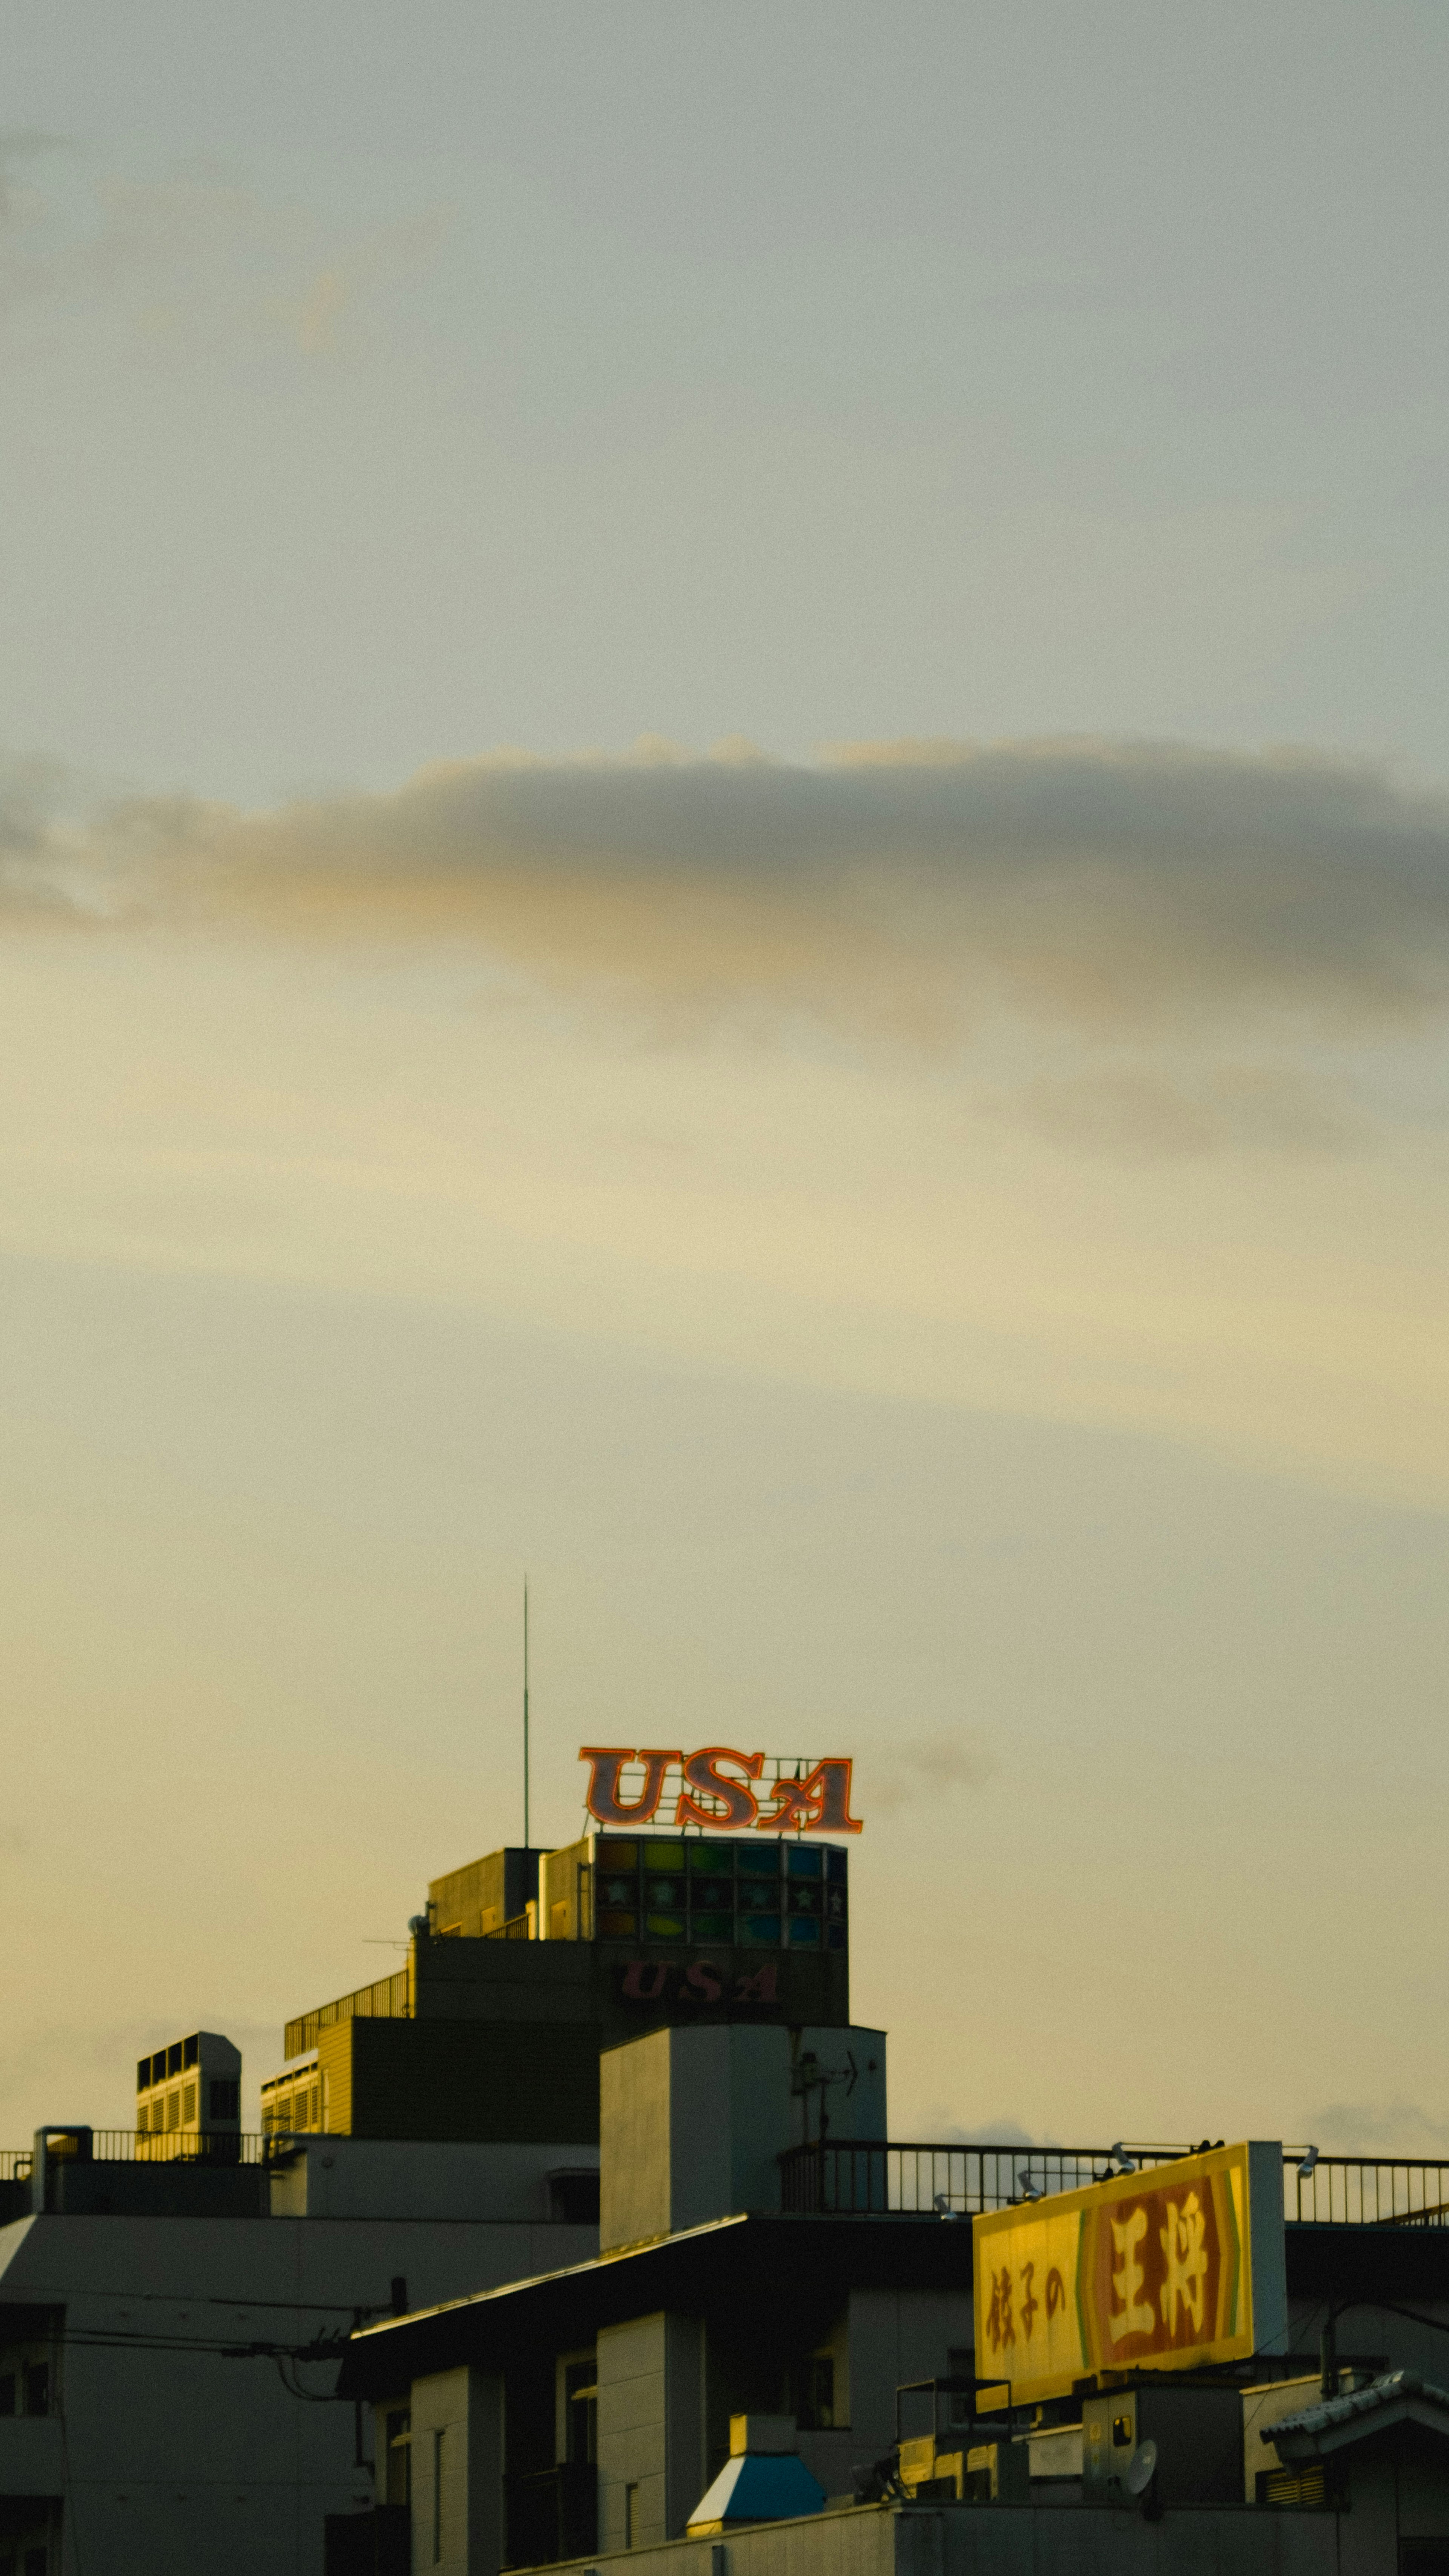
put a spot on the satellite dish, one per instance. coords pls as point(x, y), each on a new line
point(1141, 2468)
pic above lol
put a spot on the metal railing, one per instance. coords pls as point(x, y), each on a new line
point(16, 2164)
point(386, 1999)
point(843, 2177)
point(177, 2146)
point(871, 2178)
point(1366, 2191)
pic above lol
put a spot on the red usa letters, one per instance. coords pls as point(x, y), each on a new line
point(719, 1790)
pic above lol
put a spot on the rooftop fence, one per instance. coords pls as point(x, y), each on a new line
point(868, 2178)
point(1366, 2191)
point(386, 1999)
point(871, 2178)
point(127, 2147)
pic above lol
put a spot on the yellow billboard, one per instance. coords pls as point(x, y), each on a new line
point(1151, 2270)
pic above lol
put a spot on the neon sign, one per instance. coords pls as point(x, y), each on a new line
point(718, 1790)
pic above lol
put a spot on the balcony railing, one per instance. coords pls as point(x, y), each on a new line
point(870, 2178)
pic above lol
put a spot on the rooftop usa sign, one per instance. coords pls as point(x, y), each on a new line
point(718, 1790)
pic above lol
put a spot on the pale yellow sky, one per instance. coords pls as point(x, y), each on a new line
point(929, 1249)
point(874, 1334)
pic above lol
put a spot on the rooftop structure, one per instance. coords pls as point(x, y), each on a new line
point(832, 2283)
point(493, 2027)
point(188, 2097)
point(535, 2216)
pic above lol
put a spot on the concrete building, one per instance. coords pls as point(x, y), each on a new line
point(586, 2414)
point(601, 2175)
point(173, 2297)
point(139, 2438)
point(494, 2025)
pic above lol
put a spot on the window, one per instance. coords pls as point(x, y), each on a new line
point(581, 2403)
point(398, 2474)
point(575, 2198)
point(440, 2436)
point(631, 2514)
point(37, 2388)
point(758, 1860)
point(810, 2394)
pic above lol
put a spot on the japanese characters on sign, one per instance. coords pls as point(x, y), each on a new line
point(718, 1790)
point(1028, 2322)
point(1154, 2269)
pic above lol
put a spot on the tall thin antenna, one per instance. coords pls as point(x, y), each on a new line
point(525, 1712)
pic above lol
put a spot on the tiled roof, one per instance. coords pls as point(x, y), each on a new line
point(1362, 2411)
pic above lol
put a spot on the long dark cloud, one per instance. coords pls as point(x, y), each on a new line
point(910, 884)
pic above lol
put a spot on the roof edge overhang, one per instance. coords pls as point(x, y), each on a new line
point(773, 2259)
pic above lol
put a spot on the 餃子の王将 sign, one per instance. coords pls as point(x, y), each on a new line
point(1172, 2268)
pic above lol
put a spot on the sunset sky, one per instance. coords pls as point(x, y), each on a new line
point(724, 872)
